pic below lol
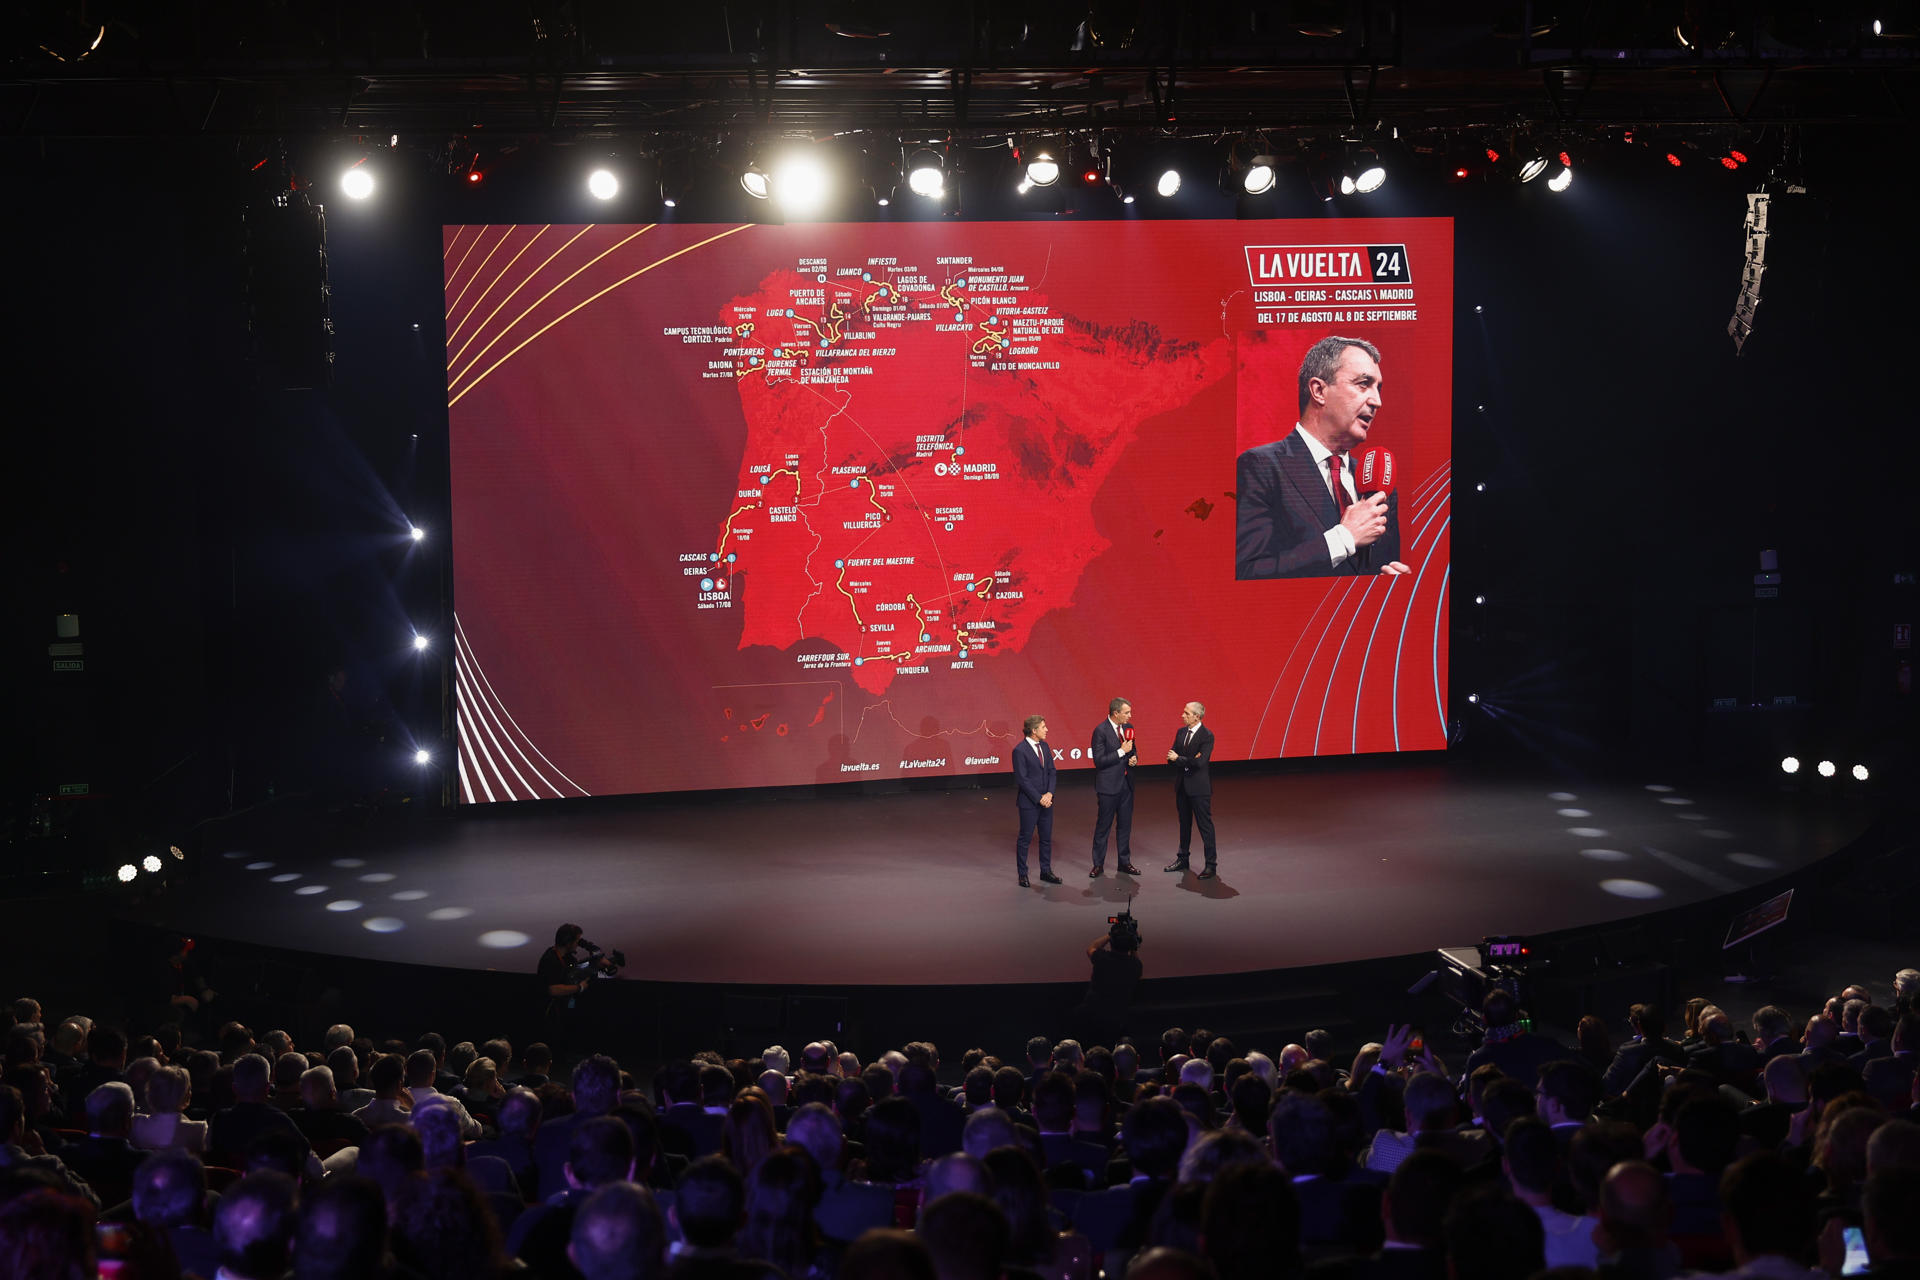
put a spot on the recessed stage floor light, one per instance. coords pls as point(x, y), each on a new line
point(1574, 813)
point(504, 939)
point(449, 913)
point(345, 904)
point(1632, 889)
point(1561, 796)
point(1587, 833)
point(349, 863)
point(1674, 800)
point(308, 890)
point(377, 877)
point(383, 924)
point(1753, 860)
point(1606, 855)
point(285, 877)
point(1659, 786)
point(409, 895)
point(258, 866)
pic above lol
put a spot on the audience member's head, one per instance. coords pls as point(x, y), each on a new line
point(1217, 1151)
point(596, 1086)
point(1155, 1134)
point(388, 1155)
point(443, 1229)
point(1769, 1209)
point(1250, 1223)
point(253, 1226)
point(711, 1203)
point(956, 1171)
point(887, 1254)
point(1419, 1193)
point(110, 1110)
point(341, 1231)
point(1492, 1236)
point(1706, 1132)
point(893, 1140)
point(618, 1234)
point(1021, 1192)
point(47, 1234)
point(1568, 1090)
point(1300, 1133)
point(1635, 1208)
point(251, 1076)
point(169, 1188)
point(1596, 1149)
point(1891, 1205)
point(599, 1151)
point(1530, 1156)
point(1894, 1145)
point(441, 1143)
point(967, 1235)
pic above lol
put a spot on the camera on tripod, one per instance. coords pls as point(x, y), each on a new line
point(1123, 931)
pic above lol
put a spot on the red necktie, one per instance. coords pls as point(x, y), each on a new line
point(1339, 490)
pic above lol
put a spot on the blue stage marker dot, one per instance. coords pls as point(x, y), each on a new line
point(714, 556)
point(925, 637)
point(961, 283)
point(959, 450)
point(866, 275)
point(859, 662)
point(789, 313)
point(731, 557)
point(839, 564)
point(821, 278)
point(854, 483)
point(959, 317)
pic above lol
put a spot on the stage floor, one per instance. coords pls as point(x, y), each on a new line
point(1316, 867)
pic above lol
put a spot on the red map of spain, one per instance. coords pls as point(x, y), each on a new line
point(924, 444)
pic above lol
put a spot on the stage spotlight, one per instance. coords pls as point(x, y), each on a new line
point(1480, 487)
point(1859, 773)
point(1561, 180)
point(1041, 163)
point(178, 855)
point(1369, 174)
point(416, 532)
point(754, 180)
point(151, 864)
point(420, 643)
point(1479, 599)
point(1259, 176)
point(1474, 698)
point(926, 174)
point(602, 185)
point(800, 184)
point(127, 872)
point(1532, 167)
point(1790, 765)
point(423, 756)
point(1825, 768)
point(356, 183)
point(1169, 184)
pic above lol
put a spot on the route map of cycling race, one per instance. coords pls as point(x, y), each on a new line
point(750, 505)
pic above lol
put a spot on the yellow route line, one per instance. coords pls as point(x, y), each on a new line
point(531, 277)
point(496, 280)
point(477, 233)
point(872, 490)
point(841, 582)
point(448, 251)
point(595, 298)
point(726, 530)
point(508, 328)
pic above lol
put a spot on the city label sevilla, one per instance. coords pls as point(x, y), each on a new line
point(1278, 264)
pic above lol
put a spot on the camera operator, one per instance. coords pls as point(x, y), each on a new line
point(1101, 1015)
point(566, 969)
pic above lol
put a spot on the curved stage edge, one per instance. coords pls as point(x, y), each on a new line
point(877, 918)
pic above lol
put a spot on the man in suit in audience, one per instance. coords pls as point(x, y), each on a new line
point(1649, 1044)
point(1339, 1204)
point(1876, 1036)
point(1724, 1055)
point(1773, 1032)
point(1890, 1079)
point(1113, 760)
point(941, 1119)
point(1190, 754)
point(105, 1157)
point(1155, 1135)
point(846, 1209)
point(596, 1089)
point(232, 1131)
point(1033, 779)
point(1053, 1110)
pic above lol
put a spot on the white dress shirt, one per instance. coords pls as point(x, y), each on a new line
point(1340, 543)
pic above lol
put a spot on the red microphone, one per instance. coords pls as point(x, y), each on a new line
point(1375, 472)
point(1126, 734)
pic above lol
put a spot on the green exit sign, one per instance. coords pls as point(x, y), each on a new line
point(75, 788)
point(69, 664)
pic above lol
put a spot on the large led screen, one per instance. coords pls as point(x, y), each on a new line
point(761, 505)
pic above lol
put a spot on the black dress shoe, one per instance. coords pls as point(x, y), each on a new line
point(1205, 875)
point(1047, 877)
point(1128, 869)
point(1094, 874)
point(1178, 864)
point(1024, 884)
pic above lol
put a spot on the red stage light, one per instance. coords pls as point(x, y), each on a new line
point(1673, 159)
point(1493, 157)
point(1459, 173)
point(1090, 176)
point(1729, 162)
point(473, 175)
point(1739, 157)
point(1566, 161)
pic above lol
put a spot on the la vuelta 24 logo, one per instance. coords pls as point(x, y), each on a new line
point(1330, 264)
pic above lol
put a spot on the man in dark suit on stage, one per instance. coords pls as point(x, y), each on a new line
point(1300, 515)
point(1193, 787)
point(1113, 757)
point(1033, 775)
